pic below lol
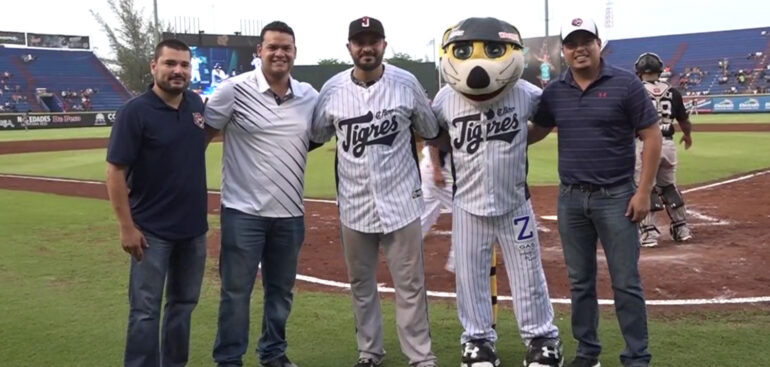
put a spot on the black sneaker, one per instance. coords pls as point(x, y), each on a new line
point(479, 351)
point(282, 361)
point(366, 362)
point(584, 362)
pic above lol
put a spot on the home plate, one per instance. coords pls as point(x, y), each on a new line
point(548, 217)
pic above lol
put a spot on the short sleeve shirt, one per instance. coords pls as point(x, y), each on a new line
point(163, 149)
point(596, 126)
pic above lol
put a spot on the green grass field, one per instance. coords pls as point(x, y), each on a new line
point(48, 134)
point(727, 118)
point(64, 303)
point(714, 155)
point(63, 297)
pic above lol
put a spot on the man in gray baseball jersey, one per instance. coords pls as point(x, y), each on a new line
point(374, 110)
point(668, 102)
point(484, 107)
point(265, 115)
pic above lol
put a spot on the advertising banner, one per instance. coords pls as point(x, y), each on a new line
point(12, 38)
point(58, 41)
point(728, 104)
point(17, 121)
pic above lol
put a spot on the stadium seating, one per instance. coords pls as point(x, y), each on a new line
point(57, 70)
point(702, 50)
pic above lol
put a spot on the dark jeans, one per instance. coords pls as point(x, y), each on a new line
point(585, 216)
point(179, 266)
point(247, 241)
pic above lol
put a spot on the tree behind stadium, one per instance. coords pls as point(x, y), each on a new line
point(132, 40)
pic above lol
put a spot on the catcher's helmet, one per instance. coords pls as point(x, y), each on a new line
point(648, 62)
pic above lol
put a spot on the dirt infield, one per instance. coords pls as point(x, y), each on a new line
point(728, 258)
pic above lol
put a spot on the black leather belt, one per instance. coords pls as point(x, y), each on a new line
point(668, 137)
point(590, 187)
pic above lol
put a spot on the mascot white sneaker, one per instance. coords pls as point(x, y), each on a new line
point(485, 107)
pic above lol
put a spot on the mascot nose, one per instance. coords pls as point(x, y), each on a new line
point(478, 78)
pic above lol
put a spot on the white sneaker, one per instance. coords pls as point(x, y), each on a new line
point(681, 233)
point(649, 237)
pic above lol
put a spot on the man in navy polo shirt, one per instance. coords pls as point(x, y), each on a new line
point(156, 180)
point(598, 110)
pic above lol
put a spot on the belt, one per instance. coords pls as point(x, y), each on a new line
point(668, 137)
point(590, 187)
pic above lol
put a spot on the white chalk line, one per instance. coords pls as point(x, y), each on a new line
point(91, 182)
point(436, 294)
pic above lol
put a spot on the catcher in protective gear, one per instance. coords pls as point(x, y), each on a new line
point(665, 195)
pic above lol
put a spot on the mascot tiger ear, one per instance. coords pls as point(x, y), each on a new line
point(482, 58)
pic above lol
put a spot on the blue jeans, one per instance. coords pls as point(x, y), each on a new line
point(585, 217)
point(247, 241)
point(179, 266)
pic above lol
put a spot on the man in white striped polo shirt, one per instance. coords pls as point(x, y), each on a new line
point(266, 116)
point(374, 109)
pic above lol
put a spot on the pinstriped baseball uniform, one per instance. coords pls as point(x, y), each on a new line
point(380, 200)
point(378, 181)
point(435, 198)
point(266, 145)
point(491, 204)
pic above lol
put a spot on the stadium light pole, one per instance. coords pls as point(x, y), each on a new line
point(155, 15)
point(546, 18)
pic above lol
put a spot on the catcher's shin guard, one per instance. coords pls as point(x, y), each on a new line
point(656, 203)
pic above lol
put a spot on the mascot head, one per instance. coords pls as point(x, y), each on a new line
point(482, 58)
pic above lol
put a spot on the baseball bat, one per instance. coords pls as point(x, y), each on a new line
point(493, 285)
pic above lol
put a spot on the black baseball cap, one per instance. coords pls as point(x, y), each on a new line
point(484, 29)
point(365, 25)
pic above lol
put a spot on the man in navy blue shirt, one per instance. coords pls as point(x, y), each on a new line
point(598, 110)
point(156, 181)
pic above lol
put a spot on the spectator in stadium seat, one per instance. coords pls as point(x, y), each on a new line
point(741, 78)
point(723, 78)
point(159, 138)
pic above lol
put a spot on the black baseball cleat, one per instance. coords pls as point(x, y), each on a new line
point(366, 362)
point(281, 361)
point(544, 352)
point(584, 362)
point(479, 353)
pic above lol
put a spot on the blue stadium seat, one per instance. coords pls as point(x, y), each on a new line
point(702, 50)
point(58, 70)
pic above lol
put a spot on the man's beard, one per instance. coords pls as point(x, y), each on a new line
point(368, 66)
point(168, 88)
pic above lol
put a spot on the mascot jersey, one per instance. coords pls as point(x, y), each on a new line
point(489, 147)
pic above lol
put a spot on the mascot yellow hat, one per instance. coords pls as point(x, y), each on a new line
point(482, 57)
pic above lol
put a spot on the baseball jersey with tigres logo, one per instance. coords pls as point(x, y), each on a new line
point(378, 182)
point(668, 102)
point(489, 147)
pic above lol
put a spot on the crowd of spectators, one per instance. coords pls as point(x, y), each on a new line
point(10, 93)
point(77, 100)
point(691, 77)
